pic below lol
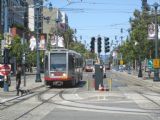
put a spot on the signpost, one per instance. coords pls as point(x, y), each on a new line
point(150, 64)
point(5, 69)
point(156, 63)
point(121, 62)
point(151, 31)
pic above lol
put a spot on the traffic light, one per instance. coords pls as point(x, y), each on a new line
point(106, 45)
point(92, 44)
point(99, 44)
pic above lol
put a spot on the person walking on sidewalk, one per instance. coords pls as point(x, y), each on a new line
point(18, 78)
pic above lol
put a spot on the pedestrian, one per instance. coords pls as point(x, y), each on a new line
point(149, 73)
point(18, 78)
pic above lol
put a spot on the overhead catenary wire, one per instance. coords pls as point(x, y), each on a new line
point(88, 10)
point(112, 26)
point(100, 3)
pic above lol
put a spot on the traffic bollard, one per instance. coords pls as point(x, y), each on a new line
point(110, 84)
point(5, 86)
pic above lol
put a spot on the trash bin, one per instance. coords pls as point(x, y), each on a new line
point(98, 76)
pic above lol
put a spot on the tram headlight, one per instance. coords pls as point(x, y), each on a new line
point(52, 74)
point(64, 75)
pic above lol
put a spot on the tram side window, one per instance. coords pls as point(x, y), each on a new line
point(78, 62)
point(71, 62)
point(46, 62)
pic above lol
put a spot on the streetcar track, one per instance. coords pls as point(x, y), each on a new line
point(142, 94)
point(43, 102)
point(60, 93)
point(132, 111)
point(30, 89)
point(19, 99)
point(140, 111)
point(134, 83)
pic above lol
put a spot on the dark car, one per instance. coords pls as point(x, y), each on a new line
point(2, 81)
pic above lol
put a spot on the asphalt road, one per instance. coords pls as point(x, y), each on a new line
point(128, 100)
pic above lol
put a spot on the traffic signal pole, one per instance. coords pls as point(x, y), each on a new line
point(92, 44)
point(107, 46)
point(99, 42)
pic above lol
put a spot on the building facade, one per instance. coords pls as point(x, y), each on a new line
point(64, 23)
point(32, 15)
point(54, 20)
point(1, 25)
point(15, 15)
point(23, 13)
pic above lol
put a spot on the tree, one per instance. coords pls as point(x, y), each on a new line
point(17, 49)
point(138, 45)
point(68, 38)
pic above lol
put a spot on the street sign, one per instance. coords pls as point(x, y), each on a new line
point(150, 64)
point(151, 31)
point(156, 63)
point(121, 62)
point(5, 69)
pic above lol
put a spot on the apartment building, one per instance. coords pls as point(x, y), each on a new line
point(54, 20)
point(16, 13)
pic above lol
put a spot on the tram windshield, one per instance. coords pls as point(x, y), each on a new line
point(89, 62)
point(58, 62)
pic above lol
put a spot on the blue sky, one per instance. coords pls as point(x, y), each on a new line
point(100, 17)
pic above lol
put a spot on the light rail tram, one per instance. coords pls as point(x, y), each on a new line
point(62, 67)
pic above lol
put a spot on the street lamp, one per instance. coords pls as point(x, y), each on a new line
point(6, 50)
point(37, 7)
point(38, 75)
point(156, 70)
point(57, 20)
point(139, 60)
point(140, 68)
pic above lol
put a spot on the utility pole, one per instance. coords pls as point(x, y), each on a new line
point(5, 16)
point(156, 70)
point(38, 5)
point(6, 50)
point(57, 20)
point(38, 75)
point(23, 60)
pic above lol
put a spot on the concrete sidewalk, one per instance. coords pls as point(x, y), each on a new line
point(30, 84)
point(144, 80)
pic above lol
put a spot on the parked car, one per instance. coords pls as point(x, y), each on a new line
point(2, 81)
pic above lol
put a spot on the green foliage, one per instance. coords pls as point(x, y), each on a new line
point(1, 37)
point(79, 47)
point(31, 58)
point(68, 37)
point(137, 45)
point(16, 48)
